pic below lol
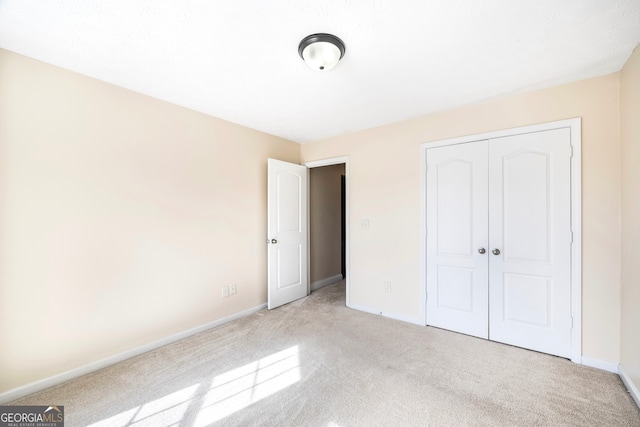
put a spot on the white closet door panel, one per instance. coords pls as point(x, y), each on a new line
point(530, 224)
point(456, 228)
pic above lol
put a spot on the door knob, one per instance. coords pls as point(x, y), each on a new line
point(496, 251)
point(482, 251)
point(274, 241)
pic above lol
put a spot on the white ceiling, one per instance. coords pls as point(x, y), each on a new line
point(238, 59)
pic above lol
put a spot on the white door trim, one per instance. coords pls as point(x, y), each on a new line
point(329, 162)
point(576, 215)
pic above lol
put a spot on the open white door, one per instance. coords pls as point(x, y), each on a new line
point(287, 232)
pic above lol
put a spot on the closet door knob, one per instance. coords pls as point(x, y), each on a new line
point(481, 251)
point(496, 251)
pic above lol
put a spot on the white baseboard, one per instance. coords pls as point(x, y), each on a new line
point(46, 383)
point(633, 390)
point(325, 282)
point(395, 316)
point(600, 364)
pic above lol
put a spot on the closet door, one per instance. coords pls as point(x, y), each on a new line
point(530, 241)
point(457, 252)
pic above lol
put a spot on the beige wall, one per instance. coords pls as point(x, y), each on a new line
point(325, 222)
point(121, 219)
point(630, 136)
point(385, 188)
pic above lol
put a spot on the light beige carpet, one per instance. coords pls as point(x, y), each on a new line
point(316, 363)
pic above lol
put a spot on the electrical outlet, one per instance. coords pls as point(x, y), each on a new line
point(364, 224)
point(225, 291)
point(232, 289)
point(387, 287)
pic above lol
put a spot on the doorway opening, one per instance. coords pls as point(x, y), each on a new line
point(328, 223)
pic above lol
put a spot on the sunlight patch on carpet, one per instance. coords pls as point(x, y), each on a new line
point(229, 392)
point(237, 389)
point(167, 410)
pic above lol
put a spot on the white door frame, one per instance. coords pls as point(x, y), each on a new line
point(576, 215)
point(329, 162)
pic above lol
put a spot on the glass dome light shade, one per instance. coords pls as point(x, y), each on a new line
point(321, 52)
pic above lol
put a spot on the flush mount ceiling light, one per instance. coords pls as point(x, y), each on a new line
point(321, 51)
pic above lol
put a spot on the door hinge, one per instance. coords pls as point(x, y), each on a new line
point(570, 151)
point(570, 236)
point(571, 322)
